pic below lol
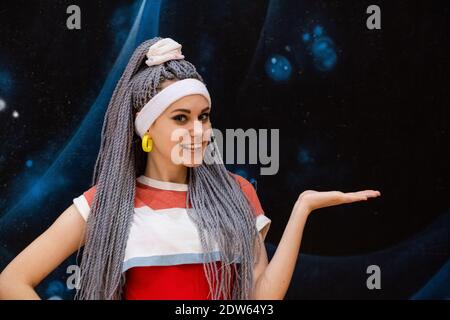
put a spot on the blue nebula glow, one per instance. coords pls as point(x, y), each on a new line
point(318, 31)
point(121, 22)
point(321, 47)
point(39, 188)
point(278, 68)
point(324, 54)
point(304, 157)
point(6, 82)
point(306, 37)
point(29, 163)
point(55, 288)
point(61, 174)
point(438, 287)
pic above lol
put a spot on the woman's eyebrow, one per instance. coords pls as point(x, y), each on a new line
point(189, 111)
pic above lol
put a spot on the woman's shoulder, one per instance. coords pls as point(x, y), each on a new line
point(249, 191)
point(243, 182)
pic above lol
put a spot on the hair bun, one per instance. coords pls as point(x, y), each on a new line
point(163, 50)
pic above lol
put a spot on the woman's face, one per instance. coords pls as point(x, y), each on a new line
point(181, 133)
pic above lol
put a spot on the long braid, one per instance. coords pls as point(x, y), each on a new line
point(113, 206)
point(222, 214)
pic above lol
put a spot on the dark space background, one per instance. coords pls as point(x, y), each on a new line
point(356, 108)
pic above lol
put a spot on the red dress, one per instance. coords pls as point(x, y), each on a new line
point(164, 258)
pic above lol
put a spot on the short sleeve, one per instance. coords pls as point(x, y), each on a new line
point(262, 221)
point(84, 202)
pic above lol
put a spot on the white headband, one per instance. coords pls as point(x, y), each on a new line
point(163, 99)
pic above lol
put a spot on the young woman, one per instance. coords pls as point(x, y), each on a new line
point(157, 223)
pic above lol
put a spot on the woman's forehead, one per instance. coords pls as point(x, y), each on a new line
point(194, 102)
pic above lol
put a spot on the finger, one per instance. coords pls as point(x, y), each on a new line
point(356, 194)
point(361, 195)
point(367, 193)
point(348, 198)
point(372, 193)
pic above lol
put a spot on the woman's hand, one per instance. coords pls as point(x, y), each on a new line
point(310, 200)
point(273, 282)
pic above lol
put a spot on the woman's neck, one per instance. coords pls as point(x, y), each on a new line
point(165, 172)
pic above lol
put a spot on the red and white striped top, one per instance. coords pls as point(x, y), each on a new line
point(163, 257)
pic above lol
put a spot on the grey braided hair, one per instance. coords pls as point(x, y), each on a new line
point(220, 210)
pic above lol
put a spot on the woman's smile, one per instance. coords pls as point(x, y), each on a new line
point(192, 146)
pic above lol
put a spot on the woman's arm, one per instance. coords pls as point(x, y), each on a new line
point(42, 256)
point(272, 280)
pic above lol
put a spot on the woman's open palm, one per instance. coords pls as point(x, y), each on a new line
point(313, 200)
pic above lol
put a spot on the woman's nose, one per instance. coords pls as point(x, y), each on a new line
point(195, 128)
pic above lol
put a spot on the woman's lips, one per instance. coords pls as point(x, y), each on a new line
point(193, 146)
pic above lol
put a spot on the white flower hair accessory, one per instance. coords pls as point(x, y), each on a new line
point(163, 50)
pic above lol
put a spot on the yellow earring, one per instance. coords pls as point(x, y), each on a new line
point(147, 143)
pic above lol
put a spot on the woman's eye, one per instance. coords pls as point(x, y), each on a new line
point(183, 118)
point(180, 118)
point(203, 117)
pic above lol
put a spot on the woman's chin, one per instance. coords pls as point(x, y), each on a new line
point(191, 165)
point(193, 161)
